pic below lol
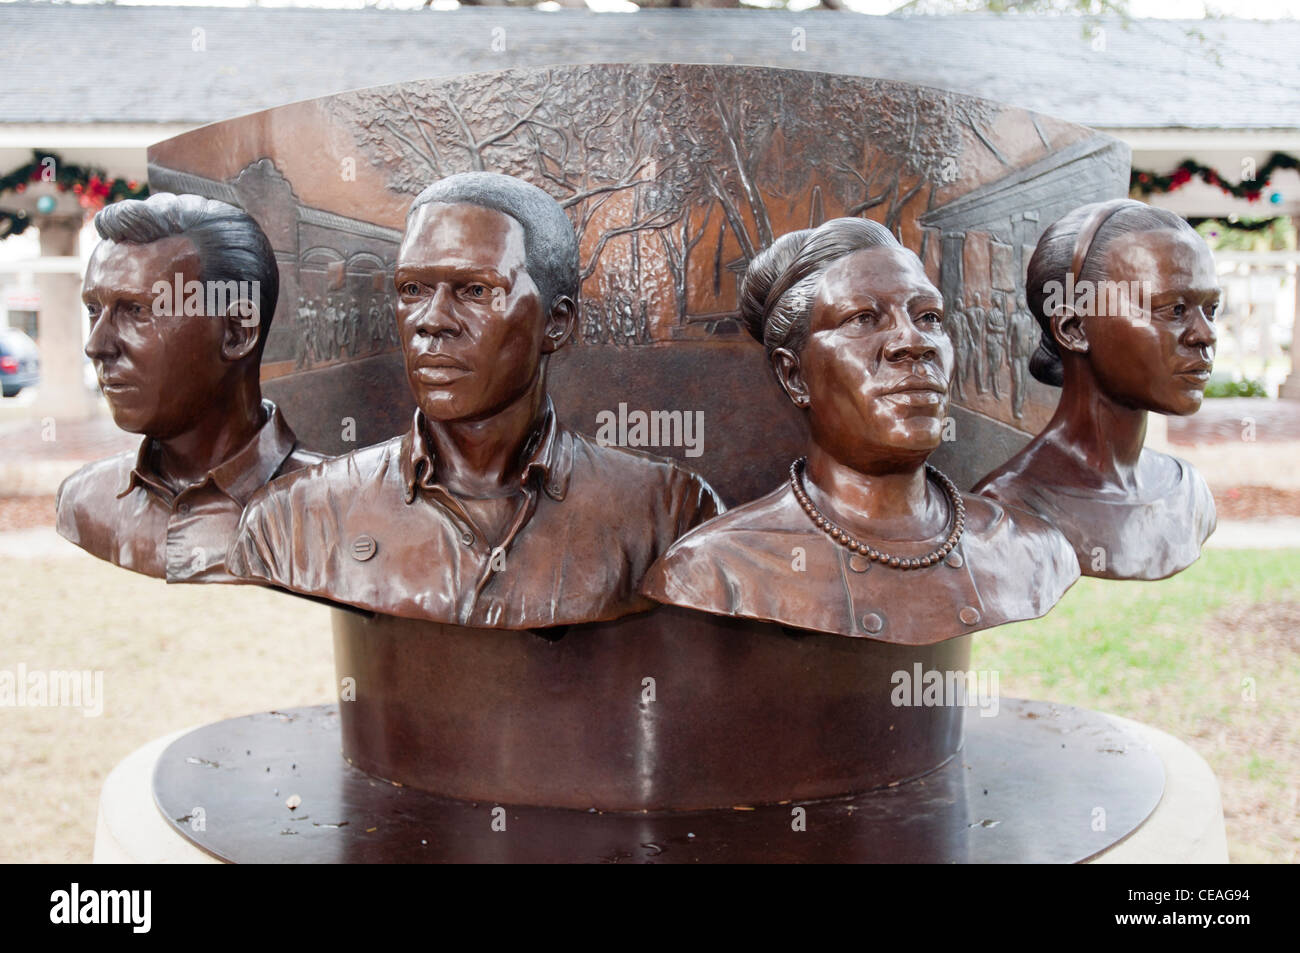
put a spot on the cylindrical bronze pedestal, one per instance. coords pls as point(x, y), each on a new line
point(668, 710)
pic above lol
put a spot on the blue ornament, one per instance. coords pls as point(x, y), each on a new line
point(1276, 198)
point(45, 204)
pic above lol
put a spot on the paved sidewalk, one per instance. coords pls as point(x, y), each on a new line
point(37, 454)
point(1276, 532)
point(41, 542)
point(35, 439)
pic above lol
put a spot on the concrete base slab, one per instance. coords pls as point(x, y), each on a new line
point(1187, 826)
point(130, 828)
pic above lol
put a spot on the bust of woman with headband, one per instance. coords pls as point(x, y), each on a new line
point(1125, 295)
point(864, 538)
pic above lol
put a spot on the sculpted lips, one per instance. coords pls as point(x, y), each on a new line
point(918, 391)
point(1195, 372)
point(439, 369)
point(114, 383)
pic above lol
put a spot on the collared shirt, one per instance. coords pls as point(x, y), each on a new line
point(766, 560)
point(121, 510)
point(375, 529)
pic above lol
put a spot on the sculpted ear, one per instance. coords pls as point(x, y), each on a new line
point(241, 329)
point(786, 364)
point(560, 324)
point(1068, 330)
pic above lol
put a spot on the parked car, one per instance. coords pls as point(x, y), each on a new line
point(20, 362)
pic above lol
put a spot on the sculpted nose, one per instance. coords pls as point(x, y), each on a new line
point(908, 343)
point(435, 317)
point(1201, 333)
point(102, 342)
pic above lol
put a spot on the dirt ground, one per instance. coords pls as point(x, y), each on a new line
point(1255, 502)
point(172, 657)
point(1259, 806)
point(25, 512)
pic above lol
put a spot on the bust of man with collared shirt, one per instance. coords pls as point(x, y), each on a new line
point(180, 295)
point(488, 512)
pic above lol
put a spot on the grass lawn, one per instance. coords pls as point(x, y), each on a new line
point(1211, 656)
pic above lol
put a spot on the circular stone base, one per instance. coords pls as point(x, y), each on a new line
point(1036, 783)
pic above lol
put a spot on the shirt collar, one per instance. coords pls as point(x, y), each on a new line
point(239, 475)
point(548, 452)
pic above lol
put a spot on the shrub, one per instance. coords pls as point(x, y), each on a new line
point(1247, 387)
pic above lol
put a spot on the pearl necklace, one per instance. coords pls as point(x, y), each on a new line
point(956, 505)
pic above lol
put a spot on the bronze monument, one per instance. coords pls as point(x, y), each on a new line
point(502, 663)
point(1125, 295)
point(488, 511)
point(180, 294)
point(855, 334)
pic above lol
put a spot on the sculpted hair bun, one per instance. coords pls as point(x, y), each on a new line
point(761, 277)
point(776, 295)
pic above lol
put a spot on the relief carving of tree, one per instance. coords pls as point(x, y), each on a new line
point(697, 160)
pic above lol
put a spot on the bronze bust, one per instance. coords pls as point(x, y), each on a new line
point(180, 295)
point(488, 512)
point(1125, 295)
point(854, 332)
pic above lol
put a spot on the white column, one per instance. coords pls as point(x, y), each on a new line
point(62, 393)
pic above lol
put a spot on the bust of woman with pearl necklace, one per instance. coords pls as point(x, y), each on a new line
point(864, 538)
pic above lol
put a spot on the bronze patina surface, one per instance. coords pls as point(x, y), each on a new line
point(1126, 296)
point(670, 709)
point(674, 180)
point(675, 177)
point(1023, 790)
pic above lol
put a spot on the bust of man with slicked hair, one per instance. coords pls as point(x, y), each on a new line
point(180, 294)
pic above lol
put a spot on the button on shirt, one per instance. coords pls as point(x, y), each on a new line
point(121, 510)
point(375, 529)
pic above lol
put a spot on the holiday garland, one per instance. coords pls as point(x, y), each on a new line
point(1241, 224)
point(1146, 182)
point(93, 187)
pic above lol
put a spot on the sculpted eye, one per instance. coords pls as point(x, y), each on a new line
point(931, 317)
point(864, 318)
point(1178, 310)
point(476, 291)
point(1211, 310)
point(409, 289)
